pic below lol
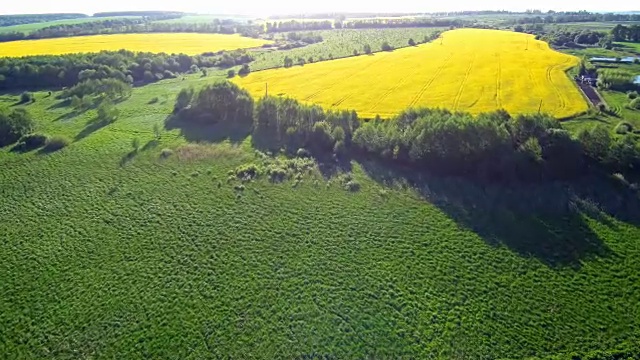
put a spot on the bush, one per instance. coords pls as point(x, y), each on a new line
point(27, 97)
point(165, 153)
point(154, 100)
point(635, 104)
point(14, 125)
point(623, 128)
point(56, 143)
point(632, 95)
point(244, 70)
point(412, 42)
point(231, 73)
point(367, 49)
point(386, 47)
point(33, 141)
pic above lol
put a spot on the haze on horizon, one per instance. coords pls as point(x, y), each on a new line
point(274, 7)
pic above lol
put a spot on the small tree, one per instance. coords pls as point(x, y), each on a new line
point(204, 73)
point(26, 97)
point(231, 73)
point(412, 42)
point(244, 70)
point(107, 113)
point(183, 99)
point(355, 52)
point(386, 47)
point(367, 49)
point(288, 62)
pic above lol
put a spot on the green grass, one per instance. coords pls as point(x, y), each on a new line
point(112, 254)
point(594, 26)
point(341, 43)
point(29, 28)
point(633, 47)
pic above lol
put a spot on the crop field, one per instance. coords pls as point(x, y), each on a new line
point(162, 258)
point(472, 70)
point(187, 43)
point(28, 28)
point(340, 43)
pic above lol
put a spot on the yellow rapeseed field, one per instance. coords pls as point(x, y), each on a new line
point(469, 70)
point(187, 43)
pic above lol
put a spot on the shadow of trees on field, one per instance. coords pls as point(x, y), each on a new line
point(92, 126)
point(543, 220)
point(202, 132)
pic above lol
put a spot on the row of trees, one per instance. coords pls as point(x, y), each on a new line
point(571, 17)
point(10, 20)
point(570, 37)
point(626, 33)
point(616, 79)
point(293, 25)
point(493, 146)
point(39, 72)
point(133, 25)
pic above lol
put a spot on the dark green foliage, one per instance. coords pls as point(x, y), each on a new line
point(367, 49)
point(36, 72)
point(631, 95)
point(107, 112)
point(412, 42)
point(615, 79)
point(31, 142)
point(56, 143)
point(11, 20)
point(635, 104)
point(26, 97)
point(623, 128)
point(105, 88)
point(220, 103)
point(13, 125)
point(386, 47)
point(231, 74)
point(244, 70)
point(626, 33)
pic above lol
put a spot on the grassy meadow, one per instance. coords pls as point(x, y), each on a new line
point(113, 253)
point(470, 70)
point(187, 43)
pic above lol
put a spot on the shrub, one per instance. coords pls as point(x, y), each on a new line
point(168, 74)
point(412, 42)
point(27, 97)
point(14, 125)
point(56, 143)
point(231, 73)
point(165, 153)
point(244, 70)
point(367, 49)
point(623, 127)
point(635, 104)
point(33, 141)
point(107, 112)
point(386, 47)
point(303, 153)
point(154, 100)
point(632, 95)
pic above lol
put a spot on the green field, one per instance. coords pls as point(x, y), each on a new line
point(112, 254)
point(340, 43)
point(29, 28)
point(201, 19)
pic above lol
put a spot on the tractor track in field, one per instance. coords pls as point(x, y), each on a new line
point(340, 101)
point(549, 78)
point(428, 83)
point(498, 83)
point(456, 101)
point(390, 91)
point(329, 87)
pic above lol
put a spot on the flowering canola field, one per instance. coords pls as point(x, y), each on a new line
point(187, 43)
point(467, 70)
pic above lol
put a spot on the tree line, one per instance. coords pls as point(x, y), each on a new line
point(11, 20)
point(491, 147)
point(626, 33)
point(37, 72)
point(126, 26)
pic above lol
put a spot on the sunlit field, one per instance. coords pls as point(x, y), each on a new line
point(467, 70)
point(187, 43)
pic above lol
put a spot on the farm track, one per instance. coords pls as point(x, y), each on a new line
point(498, 83)
point(549, 78)
point(428, 83)
point(456, 102)
point(329, 87)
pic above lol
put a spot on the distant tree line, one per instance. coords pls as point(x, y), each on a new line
point(125, 26)
point(10, 20)
point(489, 147)
point(626, 33)
point(293, 25)
point(37, 72)
point(573, 37)
point(403, 23)
point(155, 14)
point(570, 17)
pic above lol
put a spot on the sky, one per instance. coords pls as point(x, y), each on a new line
point(274, 7)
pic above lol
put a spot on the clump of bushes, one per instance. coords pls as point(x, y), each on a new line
point(635, 104)
point(27, 97)
point(56, 143)
point(14, 124)
point(623, 128)
point(631, 95)
point(31, 142)
point(231, 73)
point(386, 47)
